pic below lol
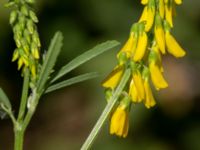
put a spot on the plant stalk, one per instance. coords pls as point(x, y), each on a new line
point(111, 103)
point(19, 139)
point(24, 96)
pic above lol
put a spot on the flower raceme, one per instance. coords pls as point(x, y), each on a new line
point(149, 39)
point(23, 21)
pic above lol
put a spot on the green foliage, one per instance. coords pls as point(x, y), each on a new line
point(97, 50)
point(68, 82)
point(4, 99)
point(50, 59)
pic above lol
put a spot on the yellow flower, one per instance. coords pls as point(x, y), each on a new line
point(173, 47)
point(149, 100)
point(161, 9)
point(157, 77)
point(144, 2)
point(119, 123)
point(143, 17)
point(134, 93)
point(130, 45)
point(148, 17)
point(138, 81)
point(112, 80)
point(168, 14)
point(160, 38)
point(141, 47)
point(178, 2)
point(159, 58)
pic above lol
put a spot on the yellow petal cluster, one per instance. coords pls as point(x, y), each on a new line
point(168, 14)
point(119, 123)
point(148, 17)
point(113, 78)
point(160, 38)
point(173, 47)
point(141, 47)
point(149, 100)
point(130, 45)
point(157, 77)
point(140, 91)
point(149, 39)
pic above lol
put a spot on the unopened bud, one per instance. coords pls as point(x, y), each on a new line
point(13, 16)
point(24, 10)
point(33, 16)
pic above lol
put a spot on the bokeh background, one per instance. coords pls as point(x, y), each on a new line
point(64, 118)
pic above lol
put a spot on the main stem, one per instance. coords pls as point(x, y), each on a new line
point(99, 124)
point(19, 139)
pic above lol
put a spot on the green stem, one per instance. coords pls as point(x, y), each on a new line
point(19, 139)
point(99, 124)
point(20, 127)
point(33, 105)
point(24, 95)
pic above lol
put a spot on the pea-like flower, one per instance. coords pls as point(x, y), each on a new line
point(173, 47)
point(138, 82)
point(159, 34)
point(119, 123)
point(147, 16)
point(149, 99)
point(112, 80)
point(141, 46)
point(157, 77)
point(130, 45)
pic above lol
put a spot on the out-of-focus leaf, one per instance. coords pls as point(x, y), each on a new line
point(50, 59)
point(4, 99)
point(3, 114)
point(97, 50)
point(77, 79)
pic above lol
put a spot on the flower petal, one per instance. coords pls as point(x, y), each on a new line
point(141, 47)
point(157, 77)
point(173, 47)
point(149, 100)
point(113, 78)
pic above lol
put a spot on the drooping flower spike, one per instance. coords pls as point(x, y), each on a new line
point(149, 39)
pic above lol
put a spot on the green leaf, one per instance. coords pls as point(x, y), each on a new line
point(4, 99)
point(97, 50)
point(50, 59)
point(77, 79)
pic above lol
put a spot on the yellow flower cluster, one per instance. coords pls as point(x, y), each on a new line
point(22, 20)
point(149, 38)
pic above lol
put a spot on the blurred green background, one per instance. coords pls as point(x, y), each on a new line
point(64, 118)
